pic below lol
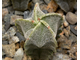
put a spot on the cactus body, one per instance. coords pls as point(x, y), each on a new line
point(40, 31)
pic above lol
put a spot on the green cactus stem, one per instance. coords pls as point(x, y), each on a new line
point(40, 31)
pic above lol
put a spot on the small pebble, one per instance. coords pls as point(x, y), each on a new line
point(11, 10)
point(20, 5)
point(21, 38)
point(76, 53)
point(60, 12)
point(14, 39)
point(45, 11)
point(47, 1)
point(72, 51)
point(22, 44)
point(60, 56)
point(5, 3)
point(43, 7)
point(17, 46)
point(3, 30)
point(65, 23)
point(72, 28)
point(4, 12)
point(5, 36)
point(11, 31)
point(26, 57)
point(7, 58)
point(76, 12)
point(3, 53)
point(66, 33)
point(4, 42)
point(7, 21)
point(2, 58)
point(75, 28)
point(75, 6)
point(52, 6)
point(73, 38)
point(18, 13)
point(9, 49)
point(71, 18)
point(19, 54)
point(26, 14)
point(64, 43)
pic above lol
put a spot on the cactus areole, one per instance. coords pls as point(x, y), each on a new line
point(40, 31)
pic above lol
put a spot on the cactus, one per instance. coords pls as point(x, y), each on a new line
point(40, 31)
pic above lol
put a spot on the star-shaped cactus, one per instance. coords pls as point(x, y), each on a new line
point(40, 31)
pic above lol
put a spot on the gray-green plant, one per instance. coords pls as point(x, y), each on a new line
point(40, 31)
